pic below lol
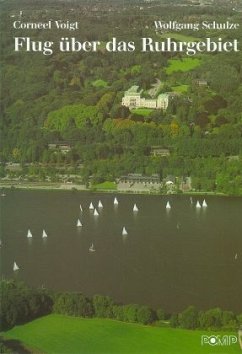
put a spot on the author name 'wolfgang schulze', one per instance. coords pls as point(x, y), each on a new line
point(195, 26)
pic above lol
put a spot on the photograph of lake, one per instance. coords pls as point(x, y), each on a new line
point(158, 256)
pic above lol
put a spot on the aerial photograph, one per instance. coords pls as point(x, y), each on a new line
point(120, 176)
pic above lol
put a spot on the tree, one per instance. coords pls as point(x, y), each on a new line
point(130, 313)
point(103, 306)
point(189, 318)
point(20, 303)
point(212, 318)
point(145, 315)
point(174, 320)
point(160, 314)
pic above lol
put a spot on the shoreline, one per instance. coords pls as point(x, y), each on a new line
point(82, 188)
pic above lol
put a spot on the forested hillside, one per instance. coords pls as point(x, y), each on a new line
point(74, 99)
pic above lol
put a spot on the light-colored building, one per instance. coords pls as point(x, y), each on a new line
point(132, 99)
point(159, 151)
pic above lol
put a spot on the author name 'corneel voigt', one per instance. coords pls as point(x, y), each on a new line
point(58, 24)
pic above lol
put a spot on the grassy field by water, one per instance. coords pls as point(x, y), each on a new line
point(64, 334)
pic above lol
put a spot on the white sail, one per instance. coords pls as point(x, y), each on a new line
point(78, 223)
point(168, 205)
point(15, 266)
point(198, 205)
point(115, 202)
point(29, 235)
point(95, 212)
point(236, 256)
point(124, 231)
point(44, 234)
point(204, 204)
point(91, 206)
point(100, 205)
point(135, 208)
point(81, 207)
point(92, 248)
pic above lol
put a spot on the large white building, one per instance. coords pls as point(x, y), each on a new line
point(132, 99)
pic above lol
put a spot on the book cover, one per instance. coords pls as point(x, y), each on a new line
point(120, 176)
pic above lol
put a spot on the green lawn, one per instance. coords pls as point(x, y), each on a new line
point(142, 111)
point(70, 335)
point(180, 37)
point(100, 83)
point(180, 88)
point(106, 185)
point(184, 65)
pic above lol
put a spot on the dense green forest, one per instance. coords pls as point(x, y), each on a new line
point(75, 98)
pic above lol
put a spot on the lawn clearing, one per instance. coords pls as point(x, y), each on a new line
point(100, 83)
point(107, 185)
point(183, 65)
point(179, 37)
point(180, 88)
point(68, 335)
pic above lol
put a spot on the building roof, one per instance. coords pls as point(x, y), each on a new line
point(133, 91)
point(163, 96)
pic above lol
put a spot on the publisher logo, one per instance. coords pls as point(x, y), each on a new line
point(218, 340)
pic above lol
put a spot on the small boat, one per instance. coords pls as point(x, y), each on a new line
point(91, 206)
point(168, 205)
point(81, 207)
point(3, 194)
point(95, 212)
point(44, 234)
point(78, 223)
point(124, 232)
point(92, 248)
point(204, 204)
point(198, 205)
point(15, 266)
point(100, 205)
point(135, 208)
point(236, 256)
point(29, 235)
point(115, 202)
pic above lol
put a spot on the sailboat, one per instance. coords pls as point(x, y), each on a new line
point(115, 202)
point(236, 256)
point(100, 205)
point(91, 248)
point(124, 232)
point(15, 266)
point(81, 207)
point(91, 206)
point(95, 212)
point(29, 235)
point(78, 223)
point(44, 234)
point(135, 208)
point(168, 205)
point(204, 204)
point(198, 205)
